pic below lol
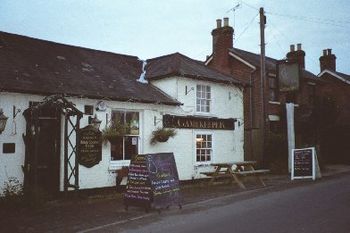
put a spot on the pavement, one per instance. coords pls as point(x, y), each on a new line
point(90, 213)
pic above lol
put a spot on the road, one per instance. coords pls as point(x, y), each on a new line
point(322, 207)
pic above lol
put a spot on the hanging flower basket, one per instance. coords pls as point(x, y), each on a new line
point(162, 135)
point(114, 131)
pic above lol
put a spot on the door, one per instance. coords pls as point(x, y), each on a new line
point(48, 155)
point(42, 156)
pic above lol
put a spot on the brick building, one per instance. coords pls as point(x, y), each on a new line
point(245, 66)
point(336, 91)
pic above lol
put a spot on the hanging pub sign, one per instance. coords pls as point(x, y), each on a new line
point(288, 74)
point(191, 122)
point(153, 182)
point(89, 146)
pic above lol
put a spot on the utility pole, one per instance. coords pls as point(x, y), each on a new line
point(262, 77)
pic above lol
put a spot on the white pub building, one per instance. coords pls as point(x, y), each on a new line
point(51, 91)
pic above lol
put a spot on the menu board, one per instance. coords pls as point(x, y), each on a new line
point(153, 182)
point(89, 146)
point(303, 163)
point(138, 189)
point(164, 180)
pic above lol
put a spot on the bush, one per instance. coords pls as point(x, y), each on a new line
point(12, 193)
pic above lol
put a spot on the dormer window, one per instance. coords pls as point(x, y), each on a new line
point(203, 98)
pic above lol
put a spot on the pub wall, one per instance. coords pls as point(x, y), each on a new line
point(227, 144)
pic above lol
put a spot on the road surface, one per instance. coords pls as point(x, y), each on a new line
point(322, 207)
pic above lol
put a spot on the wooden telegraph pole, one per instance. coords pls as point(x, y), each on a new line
point(262, 77)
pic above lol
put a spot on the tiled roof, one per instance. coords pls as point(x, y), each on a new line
point(345, 76)
point(180, 65)
point(29, 65)
point(271, 63)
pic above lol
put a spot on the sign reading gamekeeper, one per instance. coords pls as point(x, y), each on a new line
point(191, 122)
point(89, 146)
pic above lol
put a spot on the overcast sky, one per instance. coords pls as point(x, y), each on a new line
point(151, 28)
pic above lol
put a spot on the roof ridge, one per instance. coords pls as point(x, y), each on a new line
point(63, 44)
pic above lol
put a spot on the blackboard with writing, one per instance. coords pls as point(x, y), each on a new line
point(138, 189)
point(303, 163)
point(89, 146)
point(153, 181)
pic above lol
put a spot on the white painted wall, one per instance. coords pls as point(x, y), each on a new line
point(227, 102)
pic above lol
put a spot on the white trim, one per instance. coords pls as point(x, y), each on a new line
point(242, 60)
point(333, 74)
point(272, 75)
point(311, 83)
point(208, 61)
point(275, 102)
point(274, 117)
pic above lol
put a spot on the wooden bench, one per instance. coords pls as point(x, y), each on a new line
point(242, 168)
point(255, 173)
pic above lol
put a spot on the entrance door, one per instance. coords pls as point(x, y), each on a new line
point(42, 161)
point(48, 155)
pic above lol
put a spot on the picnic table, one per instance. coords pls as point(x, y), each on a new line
point(236, 171)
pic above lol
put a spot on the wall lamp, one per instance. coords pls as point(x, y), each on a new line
point(3, 120)
point(95, 122)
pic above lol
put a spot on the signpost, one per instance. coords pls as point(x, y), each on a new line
point(304, 163)
point(153, 182)
point(89, 146)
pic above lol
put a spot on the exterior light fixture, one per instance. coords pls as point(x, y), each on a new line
point(95, 122)
point(3, 120)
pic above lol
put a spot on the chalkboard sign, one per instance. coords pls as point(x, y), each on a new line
point(303, 163)
point(89, 146)
point(153, 182)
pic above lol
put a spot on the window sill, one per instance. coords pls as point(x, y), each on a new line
point(118, 164)
point(274, 102)
point(202, 164)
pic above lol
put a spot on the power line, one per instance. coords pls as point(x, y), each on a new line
point(247, 26)
point(332, 22)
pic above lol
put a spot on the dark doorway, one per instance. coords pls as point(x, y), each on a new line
point(43, 152)
point(48, 168)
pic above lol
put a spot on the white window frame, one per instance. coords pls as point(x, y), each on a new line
point(211, 149)
point(205, 99)
point(116, 164)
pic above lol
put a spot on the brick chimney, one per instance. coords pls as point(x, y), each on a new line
point(327, 60)
point(222, 42)
point(296, 55)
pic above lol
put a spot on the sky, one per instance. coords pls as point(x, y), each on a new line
point(152, 28)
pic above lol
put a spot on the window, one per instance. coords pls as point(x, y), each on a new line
point(124, 147)
point(203, 147)
point(8, 148)
point(273, 89)
point(88, 109)
point(311, 92)
point(203, 98)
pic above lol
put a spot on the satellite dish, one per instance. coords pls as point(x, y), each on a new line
point(101, 106)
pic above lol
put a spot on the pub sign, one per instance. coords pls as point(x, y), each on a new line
point(89, 146)
point(191, 122)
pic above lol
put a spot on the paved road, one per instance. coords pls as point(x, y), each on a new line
point(322, 207)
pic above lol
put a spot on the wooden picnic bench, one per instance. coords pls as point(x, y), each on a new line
point(241, 169)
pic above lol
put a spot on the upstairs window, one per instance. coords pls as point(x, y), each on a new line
point(124, 147)
point(273, 89)
point(203, 98)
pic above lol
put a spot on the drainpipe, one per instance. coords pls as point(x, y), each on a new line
point(251, 110)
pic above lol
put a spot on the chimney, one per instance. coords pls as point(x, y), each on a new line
point(296, 55)
point(327, 60)
point(222, 42)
